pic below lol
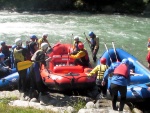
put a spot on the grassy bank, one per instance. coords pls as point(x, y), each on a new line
point(5, 108)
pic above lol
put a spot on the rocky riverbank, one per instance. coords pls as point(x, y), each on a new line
point(61, 103)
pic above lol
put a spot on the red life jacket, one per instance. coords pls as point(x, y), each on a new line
point(122, 70)
point(148, 56)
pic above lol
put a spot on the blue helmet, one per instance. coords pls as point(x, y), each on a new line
point(125, 61)
point(2, 55)
point(91, 33)
point(33, 37)
point(2, 42)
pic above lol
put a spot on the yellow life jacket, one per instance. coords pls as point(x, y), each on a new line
point(18, 55)
point(101, 71)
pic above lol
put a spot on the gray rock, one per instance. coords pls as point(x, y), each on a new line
point(34, 100)
point(70, 109)
point(62, 103)
point(90, 105)
point(101, 103)
point(135, 110)
point(93, 111)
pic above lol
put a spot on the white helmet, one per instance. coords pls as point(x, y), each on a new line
point(44, 46)
point(76, 37)
point(18, 41)
point(45, 34)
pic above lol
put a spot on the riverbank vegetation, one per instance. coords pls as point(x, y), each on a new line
point(106, 6)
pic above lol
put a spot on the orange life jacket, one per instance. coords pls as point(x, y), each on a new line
point(122, 70)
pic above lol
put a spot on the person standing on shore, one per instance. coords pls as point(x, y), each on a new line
point(43, 39)
point(33, 45)
point(39, 58)
point(119, 81)
point(94, 44)
point(20, 54)
point(99, 71)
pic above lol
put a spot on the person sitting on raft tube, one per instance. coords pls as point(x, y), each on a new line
point(81, 58)
point(4, 69)
point(99, 71)
point(119, 81)
point(75, 45)
point(94, 42)
point(5, 50)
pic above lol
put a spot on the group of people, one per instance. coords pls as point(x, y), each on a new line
point(120, 72)
point(35, 51)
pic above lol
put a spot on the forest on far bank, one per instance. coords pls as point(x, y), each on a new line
point(110, 6)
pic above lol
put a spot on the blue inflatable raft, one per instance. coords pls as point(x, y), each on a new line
point(138, 88)
point(9, 82)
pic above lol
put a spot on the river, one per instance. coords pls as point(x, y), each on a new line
point(128, 32)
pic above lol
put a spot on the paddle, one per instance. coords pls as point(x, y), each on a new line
point(108, 52)
point(88, 42)
point(115, 51)
point(26, 64)
point(69, 50)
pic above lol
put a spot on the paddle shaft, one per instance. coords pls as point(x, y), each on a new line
point(114, 50)
point(108, 52)
point(88, 42)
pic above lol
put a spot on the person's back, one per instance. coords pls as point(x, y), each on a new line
point(119, 81)
point(99, 71)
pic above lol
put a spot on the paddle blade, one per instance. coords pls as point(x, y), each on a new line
point(23, 65)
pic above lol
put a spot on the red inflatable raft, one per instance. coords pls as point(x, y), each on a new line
point(62, 74)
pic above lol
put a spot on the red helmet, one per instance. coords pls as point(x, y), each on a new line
point(103, 60)
point(80, 45)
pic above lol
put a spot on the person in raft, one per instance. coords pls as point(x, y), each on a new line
point(5, 49)
point(119, 81)
point(39, 58)
point(82, 57)
point(94, 42)
point(148, 53)
point(4, 69)
point(75, 45)
point(99, 71)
